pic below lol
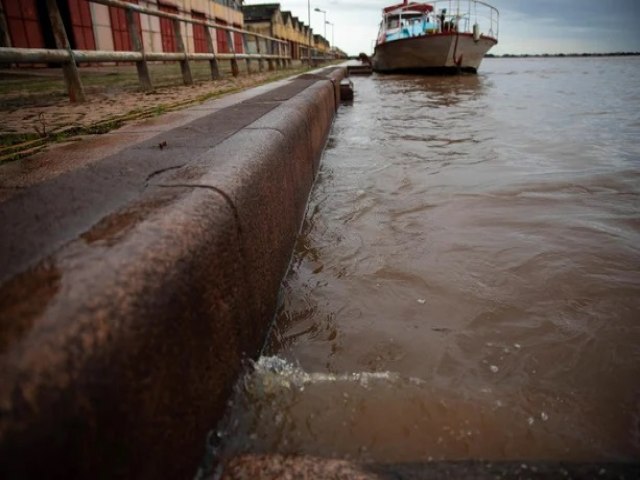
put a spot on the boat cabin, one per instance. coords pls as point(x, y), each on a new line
point(445, 36)
point(412, 19)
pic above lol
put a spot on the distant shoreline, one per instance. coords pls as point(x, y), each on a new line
point(563, 55)
point(552, 55)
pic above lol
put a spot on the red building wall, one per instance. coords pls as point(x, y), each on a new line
point(167, 34)
point(30, 28)
point(237, 41)
point(82, 25)
point(221, 38)
point(23, 23)
point(121, 39)
point(199, 33)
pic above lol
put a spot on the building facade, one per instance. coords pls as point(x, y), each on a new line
point(93, 26)
point(269, 19)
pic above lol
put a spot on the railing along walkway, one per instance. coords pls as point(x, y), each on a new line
point(272, 50)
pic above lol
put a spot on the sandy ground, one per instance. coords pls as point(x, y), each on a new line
point(35, 111)
point(104, 106)
point(42, 108)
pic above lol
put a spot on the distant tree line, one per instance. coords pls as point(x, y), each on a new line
point(547, 55)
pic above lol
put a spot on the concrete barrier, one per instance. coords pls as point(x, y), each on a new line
point(262, 467)
point(118, 349)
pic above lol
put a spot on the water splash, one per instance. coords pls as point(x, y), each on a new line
point(272, 373)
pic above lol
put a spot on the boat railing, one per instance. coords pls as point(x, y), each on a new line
point(464, 15)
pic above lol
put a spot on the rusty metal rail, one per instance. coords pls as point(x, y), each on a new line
point(274, 51)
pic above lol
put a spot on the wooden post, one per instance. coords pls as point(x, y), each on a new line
point(143, 70)
point(5, 39)
point(245, 43)
point(279, 62)
point(70, 69)
point(275, 50)
point(260, 60)
point(235, 71)
point(184, 64)
point(215, 69)
point(270, 62)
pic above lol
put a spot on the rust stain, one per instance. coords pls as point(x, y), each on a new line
point(115, 226)
point(24, 298)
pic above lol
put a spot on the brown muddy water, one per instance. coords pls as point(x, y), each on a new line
point(467, 281)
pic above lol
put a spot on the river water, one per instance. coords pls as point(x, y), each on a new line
point(466, 284)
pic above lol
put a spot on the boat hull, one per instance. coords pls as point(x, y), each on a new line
point(437, 53)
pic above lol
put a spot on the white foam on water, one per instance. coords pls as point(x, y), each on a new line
point(273, 372)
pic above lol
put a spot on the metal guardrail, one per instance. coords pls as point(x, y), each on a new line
point(274, 51)
point(466, 13)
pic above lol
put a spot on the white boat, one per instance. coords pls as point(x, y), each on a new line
point(446, 36)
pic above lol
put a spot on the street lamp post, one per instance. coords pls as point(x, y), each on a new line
point(324, 12)
point(309, 28)
point(327, 22)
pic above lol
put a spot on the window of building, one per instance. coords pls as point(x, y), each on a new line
point(23, 23)
point(221, 38)
point(237, 40)
point(82, 25)
point(120, 30)
point(167, 32)
point(199, 33)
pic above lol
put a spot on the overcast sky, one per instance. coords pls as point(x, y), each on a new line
point(526, 26)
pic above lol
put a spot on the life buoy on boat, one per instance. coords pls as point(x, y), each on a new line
point(476, 32)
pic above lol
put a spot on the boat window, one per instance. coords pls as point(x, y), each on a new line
point(393, 22)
